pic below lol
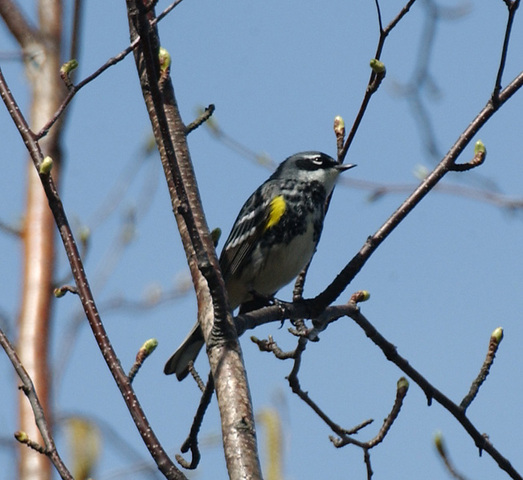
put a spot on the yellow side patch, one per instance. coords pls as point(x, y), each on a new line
point(277, 209)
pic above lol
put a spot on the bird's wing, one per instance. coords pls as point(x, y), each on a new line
point(255, 217)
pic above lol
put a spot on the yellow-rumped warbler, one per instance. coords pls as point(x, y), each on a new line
point(272, 239)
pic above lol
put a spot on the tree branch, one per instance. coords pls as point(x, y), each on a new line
point(375, 78)
point(39, 414)
point(161, 458)
point(19, 26)
point(447, 164)
point(213, 313)
point(390, 352)
point(512, 6)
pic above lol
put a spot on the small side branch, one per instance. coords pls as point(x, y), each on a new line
point(443, 453)
point(145, 351)
point(495, 340)
point(28, 388)
point(191, 443)
point(480, 153)
point(512, 6)
point(202, 118)
point(73, 89)
point(376, 76)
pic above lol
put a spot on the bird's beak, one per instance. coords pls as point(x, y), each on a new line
point(345, 166)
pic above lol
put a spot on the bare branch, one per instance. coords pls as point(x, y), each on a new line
point(84, 291)
point(345, 439)
point(39, 415)
point(24, 33)
point(339, 284)
point(495, 340)
point(191, 443)
point(512, 7)
point(202, 118)
point(401, 393)
point(166, 11)
point(75, 88)
point(375, 78)
point(390, 352)
point(299, 310)
point(196, 376)
point(213, 313)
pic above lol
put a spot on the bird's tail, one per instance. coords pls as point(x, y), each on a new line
point(186, 352)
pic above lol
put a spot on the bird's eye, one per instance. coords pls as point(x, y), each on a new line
point(317, 161)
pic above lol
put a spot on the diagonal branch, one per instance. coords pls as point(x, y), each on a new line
point(512, 7)
point(164, 463)
point(447, 164)
point(39, 414)
point(432, 393)
point(18, 24)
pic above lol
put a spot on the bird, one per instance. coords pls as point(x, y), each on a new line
point(273, 238)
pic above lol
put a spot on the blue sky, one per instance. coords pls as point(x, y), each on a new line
point(278, 73)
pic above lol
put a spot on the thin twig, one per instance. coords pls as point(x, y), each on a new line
point(493, 346)
point(202, 118)
point(76, 29)
point(191, 443)
point(372, 85)
point(294, 383)
point(442, 451)
point(109, 63)
point(346, 439)
point(401, 392)
point(512, 7)
point(76, 88)
point(196, 376)
point(41, 421)
point(168, 9)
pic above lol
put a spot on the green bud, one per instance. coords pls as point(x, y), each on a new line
point(165, 59)
point(84, 234)
point(46, 166)
point(69, 66)
point(479, 148)
point(359, 296)
point(440, 444)
point(215, 235)
point(21, 436)
point(377, 66)
point(403, 384)
point(365, 295)
point(339, 126)
point(421, 172)
point(59, 292)
point(497, 335)
point(149, 346)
